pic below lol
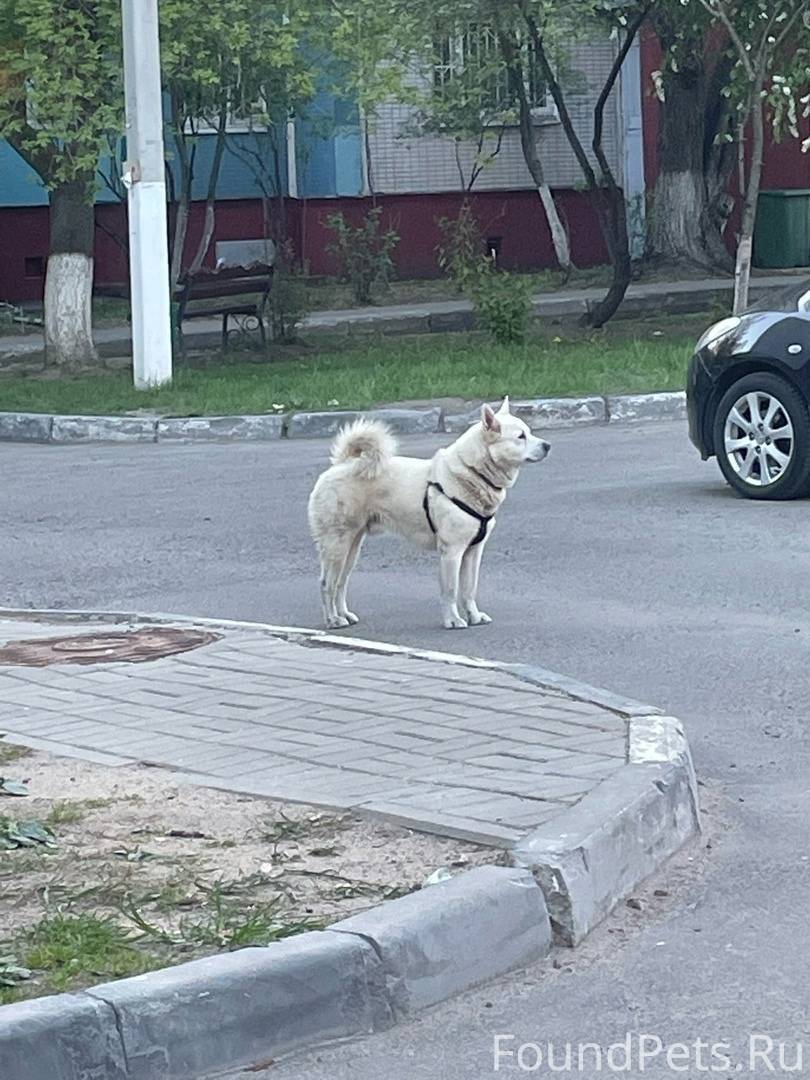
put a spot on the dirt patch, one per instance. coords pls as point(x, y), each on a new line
point(146, 872)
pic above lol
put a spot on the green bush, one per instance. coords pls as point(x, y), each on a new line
point(363, 252)
point(501, 300)
point(463, 246)
point(289, 299)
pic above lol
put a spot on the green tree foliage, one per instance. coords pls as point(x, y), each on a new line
point(225, 60)
point(60, 96)
point(60, 89)
point(768, 40)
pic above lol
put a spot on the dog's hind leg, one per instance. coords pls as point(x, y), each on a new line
point(334, 552)
point(345, 574)
point(468, 586)
point(450, 559)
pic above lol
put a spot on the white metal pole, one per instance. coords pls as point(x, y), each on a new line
point(145, 179)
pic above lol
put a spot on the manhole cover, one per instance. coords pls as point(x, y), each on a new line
point(130, 646)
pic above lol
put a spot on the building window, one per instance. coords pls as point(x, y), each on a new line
point(476, 49)
point(34, 266)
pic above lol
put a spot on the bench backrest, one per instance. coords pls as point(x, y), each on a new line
point(228, 281)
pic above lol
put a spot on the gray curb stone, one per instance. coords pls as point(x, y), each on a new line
point(456, 934)
point(326, 424)
point(364, 973)
point(540, 414)
point(443, 322)
point(245, 1007)
point(65, 1037)
point(67, 429)
point(415, 323)
point(592, 856)
point(207, 428)
point(630, 407)
point(594, 694)
point(25, 427)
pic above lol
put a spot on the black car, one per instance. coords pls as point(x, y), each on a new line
point(748, 397)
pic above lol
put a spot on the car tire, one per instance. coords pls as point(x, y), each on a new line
point(762, 438)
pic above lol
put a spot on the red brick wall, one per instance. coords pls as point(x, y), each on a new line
point(515, 217)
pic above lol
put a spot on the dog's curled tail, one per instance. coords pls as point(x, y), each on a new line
point(367, 444)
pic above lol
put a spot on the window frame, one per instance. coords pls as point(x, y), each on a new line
point(454, 47)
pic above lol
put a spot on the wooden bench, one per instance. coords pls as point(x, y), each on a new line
point(229, 292)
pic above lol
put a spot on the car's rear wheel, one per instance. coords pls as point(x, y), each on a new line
point(762, 438)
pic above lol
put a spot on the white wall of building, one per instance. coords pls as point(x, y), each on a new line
point(403, 163)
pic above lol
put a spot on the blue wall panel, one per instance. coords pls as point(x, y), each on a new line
point(19, 184)
point(329, 161)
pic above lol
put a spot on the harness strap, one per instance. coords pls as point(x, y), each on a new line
point(482, 519)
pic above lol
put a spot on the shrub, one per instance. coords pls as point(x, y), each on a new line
point(363, 252)
point(460, 253)
point(501, 300)
point(289, 299)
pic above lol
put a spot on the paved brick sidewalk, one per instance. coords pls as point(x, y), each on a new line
point(695, 294)
point(471, 751)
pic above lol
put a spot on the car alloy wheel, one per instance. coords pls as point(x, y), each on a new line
point(758, 438)
point(761, 436)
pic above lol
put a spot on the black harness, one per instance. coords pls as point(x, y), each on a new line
point(482, 519)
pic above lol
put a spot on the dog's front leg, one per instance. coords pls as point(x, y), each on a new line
point(468, 586)
point(450, 559)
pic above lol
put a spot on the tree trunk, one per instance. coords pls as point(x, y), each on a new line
point(531, 155)
point(689, 198)
point(211, 194)
point(559, 236)
point(742, 266)
point(608, 197)
point(185, 162)
point(679, 197)
point(613, 215)
point(69, 276)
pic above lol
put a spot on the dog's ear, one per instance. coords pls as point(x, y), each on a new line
point(504, 409)
point(489, 419)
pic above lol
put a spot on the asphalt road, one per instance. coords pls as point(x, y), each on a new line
point(623, 561)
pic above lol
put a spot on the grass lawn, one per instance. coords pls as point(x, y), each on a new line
point(638, 356)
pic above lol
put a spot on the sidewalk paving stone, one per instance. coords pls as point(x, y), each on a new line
point(430, 316)
point(470, 751)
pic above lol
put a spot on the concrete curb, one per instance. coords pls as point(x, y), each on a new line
point(594, 854)
point(540, 414)
point(368, 971)
point(245, 1008)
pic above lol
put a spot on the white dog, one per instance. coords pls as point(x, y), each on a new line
point(447, 503)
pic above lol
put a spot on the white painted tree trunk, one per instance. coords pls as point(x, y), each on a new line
point(678, 206)
point(68, 310)
point(742, 274)
point(559, 237)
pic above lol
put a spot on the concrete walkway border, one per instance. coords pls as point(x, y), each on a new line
point(540, 414)
point(376, 968)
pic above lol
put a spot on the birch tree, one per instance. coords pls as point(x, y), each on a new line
point(768, 39)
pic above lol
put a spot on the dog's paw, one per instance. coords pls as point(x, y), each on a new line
point(455, 622)
point(479, 619)
point(350, 615)
point(338, 623)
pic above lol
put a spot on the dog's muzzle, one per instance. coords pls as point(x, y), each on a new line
point(540, 451)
